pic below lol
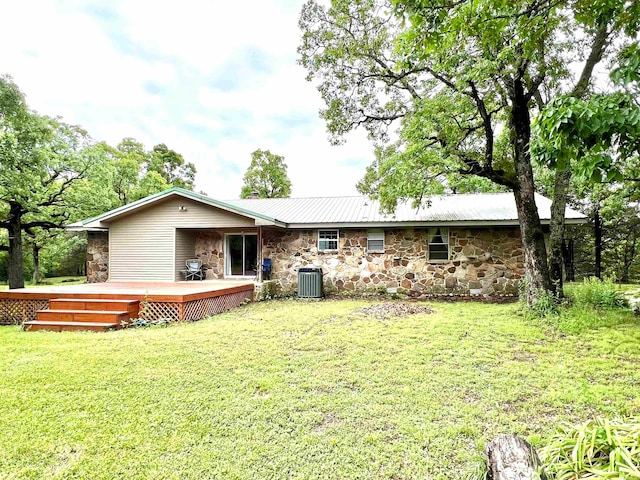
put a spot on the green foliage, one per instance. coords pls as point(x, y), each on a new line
point(591, 305)
point(64, 254)
point(543, 306)
point(47, 169)
point(270, 290)
point(627, 72)
point(52, 173)
point(599, 294)
point(134, 173)
point(267, 176)
point(45, 165)
point(170, 165)
point(593, 132)
point(598, 448)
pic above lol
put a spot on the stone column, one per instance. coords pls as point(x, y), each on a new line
point(97, 257)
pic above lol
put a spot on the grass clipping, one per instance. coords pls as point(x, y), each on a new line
point(383, 311)
point(595, 449)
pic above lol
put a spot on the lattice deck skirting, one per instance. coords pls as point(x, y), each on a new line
point(14, 312)
point(193, 310)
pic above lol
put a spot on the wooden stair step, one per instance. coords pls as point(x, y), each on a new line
point(36, 325)
point(91, 316)
point(131, 306)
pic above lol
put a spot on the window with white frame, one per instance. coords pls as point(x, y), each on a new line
point(375, 241)
point(327, 239)
point(438, 244)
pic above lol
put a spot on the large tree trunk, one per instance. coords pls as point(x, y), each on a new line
point(535, 252)
point(569, 259)
point(563, 176)
point(509, 457)
point(15, 272)
point(36, 264)
point(597, 234)
point(629, 256)
point(557, 227)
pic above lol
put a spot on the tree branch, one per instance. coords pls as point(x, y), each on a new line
point(41, 224)
point(486, 124)
point(598, 47)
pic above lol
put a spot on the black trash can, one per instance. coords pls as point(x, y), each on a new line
point(310, 282)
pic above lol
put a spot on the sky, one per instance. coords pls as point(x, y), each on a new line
point(212, 80)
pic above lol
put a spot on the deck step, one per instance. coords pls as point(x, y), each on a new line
point(83, 316)
point(130, 306)
point(36, 325)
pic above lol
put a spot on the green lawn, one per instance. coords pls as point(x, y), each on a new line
point(301, 390)
point(52, 281)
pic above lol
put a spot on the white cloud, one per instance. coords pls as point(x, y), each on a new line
point(213, 80)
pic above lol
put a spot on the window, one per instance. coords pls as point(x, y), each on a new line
point(375, 241)
point(438, 244)
point(327, 239)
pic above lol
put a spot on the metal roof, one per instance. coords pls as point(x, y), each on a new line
point(481, 208)
point(360, 211)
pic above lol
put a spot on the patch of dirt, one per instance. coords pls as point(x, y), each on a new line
point(524, 356)
point(394, 309)
point(330, 420)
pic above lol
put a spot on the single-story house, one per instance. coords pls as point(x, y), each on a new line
point(454, 244)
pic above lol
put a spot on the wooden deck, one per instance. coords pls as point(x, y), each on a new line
point(180, 301)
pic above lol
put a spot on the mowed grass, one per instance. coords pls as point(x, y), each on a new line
point(304, 390)
point(47, 282)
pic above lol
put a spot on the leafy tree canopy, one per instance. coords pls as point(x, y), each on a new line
point(45, 168)
point(266, 176)
point(462, 81)
point(170, 165)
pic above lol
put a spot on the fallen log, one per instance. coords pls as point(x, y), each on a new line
point(510, 457)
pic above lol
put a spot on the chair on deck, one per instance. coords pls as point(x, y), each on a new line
point(194, 270)
point(266, 269)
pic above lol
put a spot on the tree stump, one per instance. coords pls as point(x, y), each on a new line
point(509, 457)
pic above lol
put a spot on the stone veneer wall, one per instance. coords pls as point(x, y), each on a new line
point(482, 261)
point(210, 249)
point(97, 257)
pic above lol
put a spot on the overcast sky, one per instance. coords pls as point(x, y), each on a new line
point(214, 80)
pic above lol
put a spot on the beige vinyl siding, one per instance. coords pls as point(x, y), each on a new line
point(142, 245)
point(185, 249)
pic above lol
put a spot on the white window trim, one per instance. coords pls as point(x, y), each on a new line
point(444, 232)
point(337, 240)
point(373, 235)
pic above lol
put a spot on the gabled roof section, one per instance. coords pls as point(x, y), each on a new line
point(99, 222)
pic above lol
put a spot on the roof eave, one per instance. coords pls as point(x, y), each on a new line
point(431, 223)
point(81, 228)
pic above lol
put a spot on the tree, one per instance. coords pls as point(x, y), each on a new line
point(126, 162)
point(591, 137)
point(170, 165)
point(266, 175)
point(43, 164)
point(463, 80)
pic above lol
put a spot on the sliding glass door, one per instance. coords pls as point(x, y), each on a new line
point(241, 254)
